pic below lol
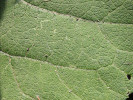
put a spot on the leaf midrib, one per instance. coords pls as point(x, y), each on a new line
point(56, 66)
point(56, 13)
point(114, 47)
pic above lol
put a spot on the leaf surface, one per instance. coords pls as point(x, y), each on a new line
point(59, 57)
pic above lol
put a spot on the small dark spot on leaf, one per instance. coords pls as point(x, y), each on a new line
point(46, 56)
point(27, 49)
point(129, 76)
point(77, 19)
point(130, 96)
point(127, 63)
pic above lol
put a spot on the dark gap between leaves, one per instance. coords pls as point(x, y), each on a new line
point(130, 97)
point(129, 76)
point(2, 8)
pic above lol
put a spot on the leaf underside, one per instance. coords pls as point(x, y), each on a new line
point(66, 49)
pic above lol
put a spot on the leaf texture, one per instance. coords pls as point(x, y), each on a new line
point(56, 56)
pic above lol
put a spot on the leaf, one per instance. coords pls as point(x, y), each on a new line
point(53, 56)
point(119, 11)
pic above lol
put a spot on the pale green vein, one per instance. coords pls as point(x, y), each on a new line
point(107, 85)
point(14, 76)
point(57, 66)
point(113, 10)
point(117, 49)
point(56, 13)
point(70, 90)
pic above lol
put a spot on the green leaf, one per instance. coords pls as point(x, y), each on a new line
point(117, 11)
point(52, 55)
